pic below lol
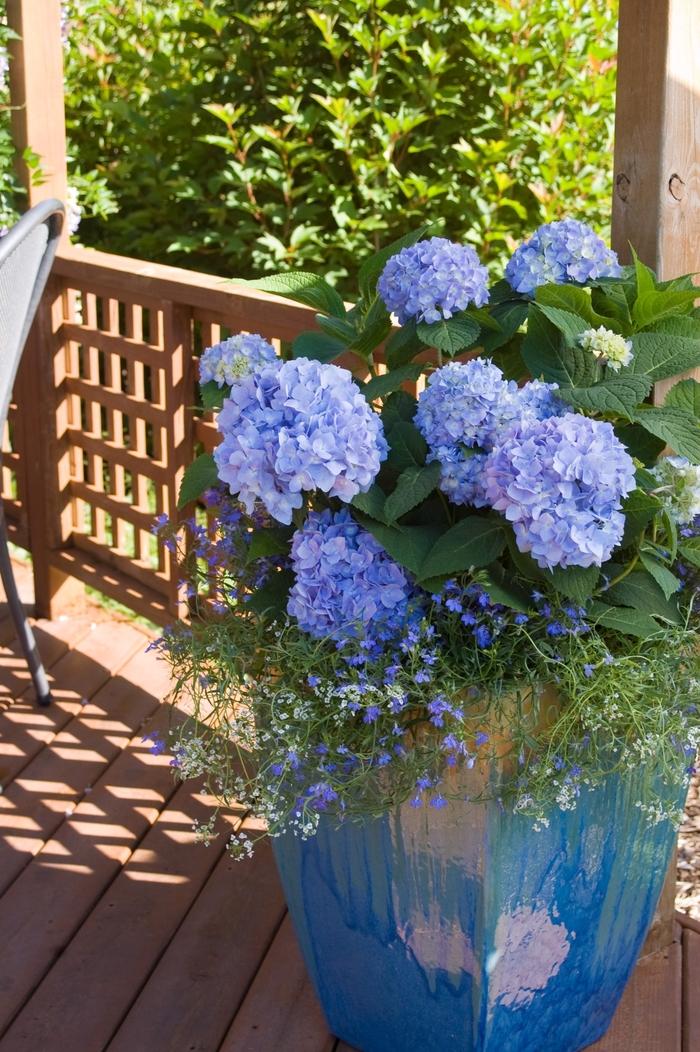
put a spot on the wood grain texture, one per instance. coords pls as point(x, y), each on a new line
point(691, 988)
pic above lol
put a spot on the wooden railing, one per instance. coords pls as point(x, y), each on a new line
point(102, 425)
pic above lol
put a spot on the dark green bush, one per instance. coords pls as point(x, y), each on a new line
point(245, 135)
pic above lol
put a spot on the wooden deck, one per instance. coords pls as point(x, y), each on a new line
point(118, 933)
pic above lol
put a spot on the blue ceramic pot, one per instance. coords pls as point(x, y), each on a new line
point(464, 930)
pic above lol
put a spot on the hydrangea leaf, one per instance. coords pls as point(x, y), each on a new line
point(271, 598)
point(272, 541)
point(653, 306)
point(402, 346)
point(340, 328)
point(625, 619)
point(685, 395)
point(547, 355)
point(374, 328)
point(201, 475)
point(676, 427)
point(510, 361)
point(671, 349)
point(571, 325)
point(576, 582)
point(667, 581)
point(399, 406)
point(618, 395)
point(639, 443)
point(382, 385)
point(408, 448)
point(413, 486)
point(509, 315)
point(371, 502)
point(319, 346)
point(503, 590)
point(407, 545)
point(373, 266)
point(474, 542)
point(451, 336)
point(690, 550)
point(574, 300)
point(639, 509)
point(302, 287)
point(640, 590)
point(645, 278)
point(212, 396)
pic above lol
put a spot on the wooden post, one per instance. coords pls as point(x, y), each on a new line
point(36, 92)
point(656, 197)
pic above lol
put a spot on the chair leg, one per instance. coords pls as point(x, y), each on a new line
point(24, 631)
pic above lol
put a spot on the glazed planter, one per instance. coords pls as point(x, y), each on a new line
point(465, 929)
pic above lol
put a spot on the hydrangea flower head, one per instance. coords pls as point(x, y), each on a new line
point(679, 488)
point(345, 581)
point(561, 482)
point(433, 279)
point(297, 427)
point(562, 252)
point(611, 348)
point(240, 355)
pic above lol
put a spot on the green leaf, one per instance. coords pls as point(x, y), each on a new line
point(576, 582)
point(571, 325)
point(690, 550)
point(676, 427)
point(371, 268)
point(640, 590)
point(371, 502)
point(407, 446)
point(271, 599)
point(524, 563)
point(505, 591)
point(618, 395)
point(654, 306)
point(302, 287)
point(546, 354)
point(667, 351)
point(639, 509)
point(510, 361)
point(272, 541)
point(339, 328)
point(403, 345)
point(413, 486)
point(407, 545)
point(374, 328)
point(575, 300)
point(667, 581)
point(399, 406)
point(382, 385)
point(474, 542)
point(646, 279)
point(684, 395)
point(212, 396)
point(198, 477)
point(639, 443)
point(627, 620)
point(318, 346)
point(671, 531)
point(452, 336)
point(509, 315)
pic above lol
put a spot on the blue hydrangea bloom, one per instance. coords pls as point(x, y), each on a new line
point(345, 581)
point(432, 280)
point(562, 252)
point(466, 409)
point(295, 427)
point(240, 355)
point(561, 482)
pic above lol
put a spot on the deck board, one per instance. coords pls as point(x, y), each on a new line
point(120, 934)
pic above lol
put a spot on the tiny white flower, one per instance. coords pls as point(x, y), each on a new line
point(608, 346)
point(680, 488)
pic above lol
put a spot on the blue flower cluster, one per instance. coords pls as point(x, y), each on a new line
point(562, 252)
point(561, 482)
point(295, 427)
point(432, 280)
point(344, 580)
point(466, 409)
point(240, 355)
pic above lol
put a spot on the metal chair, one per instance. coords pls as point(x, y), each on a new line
point(26, 255)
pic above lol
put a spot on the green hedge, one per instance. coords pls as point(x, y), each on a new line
point(243, 135)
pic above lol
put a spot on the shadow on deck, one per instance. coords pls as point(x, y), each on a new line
point(119, 933)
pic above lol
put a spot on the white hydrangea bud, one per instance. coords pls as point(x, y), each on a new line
point(680, 488)
point(607, 345)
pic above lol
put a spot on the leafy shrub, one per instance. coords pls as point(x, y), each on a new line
point(265, 135)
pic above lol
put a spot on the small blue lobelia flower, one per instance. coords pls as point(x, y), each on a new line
point(226, 362)
point(433, 280)
point(561, 483)
point(563, 252)
point(345, 581)
point(295, 427)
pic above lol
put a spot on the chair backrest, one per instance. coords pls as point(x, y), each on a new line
point(26, 254)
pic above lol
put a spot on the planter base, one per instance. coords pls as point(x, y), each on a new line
point(464, 929)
